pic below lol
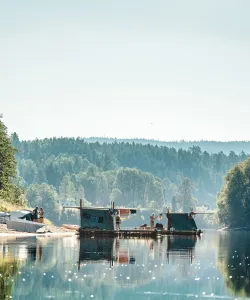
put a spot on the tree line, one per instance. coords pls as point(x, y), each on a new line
point(129, 173)
point(60, 171)
point(209, 146)
point(234, 198)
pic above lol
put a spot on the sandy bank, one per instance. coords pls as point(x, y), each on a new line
point(51, 231)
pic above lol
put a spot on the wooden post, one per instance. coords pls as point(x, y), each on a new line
point(80, 203)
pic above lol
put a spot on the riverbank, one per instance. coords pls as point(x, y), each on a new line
point(6, 206)
point(51, 230)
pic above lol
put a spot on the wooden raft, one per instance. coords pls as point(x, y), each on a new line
point(133, 233)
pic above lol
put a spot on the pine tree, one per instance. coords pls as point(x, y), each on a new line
point(7, 166)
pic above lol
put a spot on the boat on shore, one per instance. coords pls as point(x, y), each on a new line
point(71, 226)
point(24, 225)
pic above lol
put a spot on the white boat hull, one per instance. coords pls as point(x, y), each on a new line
point(23, 225)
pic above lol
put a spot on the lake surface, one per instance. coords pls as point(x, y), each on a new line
point(215, 266)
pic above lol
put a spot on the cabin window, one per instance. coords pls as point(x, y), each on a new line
point(100, 220)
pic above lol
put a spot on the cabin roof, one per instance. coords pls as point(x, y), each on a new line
point(181, 221)
point(96, 208)
point(177, 213)
point(108, 208)
point(101, 208)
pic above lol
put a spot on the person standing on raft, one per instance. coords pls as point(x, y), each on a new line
point(152, 221)
point(118, 221)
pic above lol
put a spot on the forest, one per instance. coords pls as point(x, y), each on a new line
point(60, 171)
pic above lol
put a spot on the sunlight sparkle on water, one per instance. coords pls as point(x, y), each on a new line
point(112, 274)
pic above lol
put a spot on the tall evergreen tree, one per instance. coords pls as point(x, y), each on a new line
point(7, 166)
point(7, 158)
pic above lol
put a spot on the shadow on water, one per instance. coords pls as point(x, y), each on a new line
point(233, 261)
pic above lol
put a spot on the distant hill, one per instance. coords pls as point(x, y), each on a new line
point(209, 146)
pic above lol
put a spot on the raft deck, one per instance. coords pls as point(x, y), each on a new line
point(134, 232)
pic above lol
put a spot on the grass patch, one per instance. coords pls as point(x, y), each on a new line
point(7, 206)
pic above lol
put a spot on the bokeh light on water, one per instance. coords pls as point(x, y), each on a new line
point(215, 266)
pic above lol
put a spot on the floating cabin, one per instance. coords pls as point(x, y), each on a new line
point(99, 218)
point(101, 221)
point(181, 221)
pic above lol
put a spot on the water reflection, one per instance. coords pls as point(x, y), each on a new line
point(182, 246)
point(123, 252)
point(71, 268)
point(96, 249)
point(9, 267)
point(234, 262)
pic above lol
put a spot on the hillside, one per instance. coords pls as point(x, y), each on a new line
point(63, 170)
point(7, 206)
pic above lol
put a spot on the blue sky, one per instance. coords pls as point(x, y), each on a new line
point(159, 69)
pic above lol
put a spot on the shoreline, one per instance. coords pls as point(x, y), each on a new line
point(51, 231)
point(27, 234)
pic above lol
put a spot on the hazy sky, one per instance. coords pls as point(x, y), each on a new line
point(162, 69)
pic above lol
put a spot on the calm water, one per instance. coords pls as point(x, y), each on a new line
point(215, 266)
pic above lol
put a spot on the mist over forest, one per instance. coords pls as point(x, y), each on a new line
point(205, 145)
point(59, 171)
